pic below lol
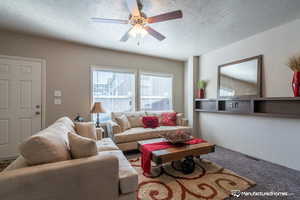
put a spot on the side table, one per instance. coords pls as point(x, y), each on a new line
point(100, 133)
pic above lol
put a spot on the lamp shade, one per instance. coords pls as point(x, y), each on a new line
point(97, 108)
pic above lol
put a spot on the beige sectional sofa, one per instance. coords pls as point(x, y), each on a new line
point(106, 176)
point(127, 139)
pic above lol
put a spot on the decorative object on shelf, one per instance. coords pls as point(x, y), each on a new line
point(294, 64)
point(78, 118)
point(201, 89)
point(177, 137)
point(97, 108)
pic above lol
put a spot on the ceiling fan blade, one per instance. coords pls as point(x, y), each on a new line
point(114, 21)
point(126, 36)
point(133, 7)
point(164, 17)
point(154, 33)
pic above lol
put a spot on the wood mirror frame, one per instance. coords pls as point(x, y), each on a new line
point(258, 94)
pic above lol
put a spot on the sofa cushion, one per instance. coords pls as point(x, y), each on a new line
point(68, 123)
point(150, 121)
point(157, 114)
point(179, 118)
point(168, 119)
point(82, 147)
point(123, 122)
point(106, 144)
point(137, 134)
point(86, 129)
point(49, 145)
point(135, 118)
point(20, 162)
point(114, 115)
point(128, 177)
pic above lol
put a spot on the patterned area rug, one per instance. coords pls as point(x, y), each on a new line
point(208, 181)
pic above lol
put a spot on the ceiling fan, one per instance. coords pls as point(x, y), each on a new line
point(139, 21)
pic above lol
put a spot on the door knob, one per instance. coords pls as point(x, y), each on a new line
point(37, 106)
point(37, 113)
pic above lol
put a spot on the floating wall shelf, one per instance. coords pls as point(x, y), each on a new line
point(288, 107)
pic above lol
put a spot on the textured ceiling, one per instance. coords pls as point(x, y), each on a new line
point(206, 24)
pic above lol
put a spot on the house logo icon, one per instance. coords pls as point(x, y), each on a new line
point(236, 193)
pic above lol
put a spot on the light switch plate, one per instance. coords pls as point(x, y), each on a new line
point(57, 93)
point(57, 101)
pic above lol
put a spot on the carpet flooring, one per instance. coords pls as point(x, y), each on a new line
point(269, 177)
point(208, 181)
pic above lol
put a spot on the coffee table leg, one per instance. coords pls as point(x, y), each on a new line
point(175, 165)
point(188, 165)
point(152, 175)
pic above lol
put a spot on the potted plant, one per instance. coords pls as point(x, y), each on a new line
point(201, 89)
point(294, 65)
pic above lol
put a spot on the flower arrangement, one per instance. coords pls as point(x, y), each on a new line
point(294, 64)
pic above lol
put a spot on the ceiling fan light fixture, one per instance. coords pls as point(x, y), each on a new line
point(139, 21)
point(138, 31)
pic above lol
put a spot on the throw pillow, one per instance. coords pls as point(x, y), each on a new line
point(150, 121)
point(169, 119)
point(155, 113)
point(86, 129)
point(81, 147)
point(179, 118)
point(47, 147)
point(123, 122)
point(135, 121)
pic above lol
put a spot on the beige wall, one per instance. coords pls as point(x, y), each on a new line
point(68, 69)
point(272, 139)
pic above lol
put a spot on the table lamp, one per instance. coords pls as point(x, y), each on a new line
point(97, 108)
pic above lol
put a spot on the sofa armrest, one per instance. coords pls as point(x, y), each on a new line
point(91, 178)
point(183, 122)
point(112, 129)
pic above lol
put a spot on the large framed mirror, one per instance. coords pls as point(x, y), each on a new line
point(240, 79)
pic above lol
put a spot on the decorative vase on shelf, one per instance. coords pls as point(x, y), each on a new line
point(201, 89)
point(201, 93)
point(296, 83)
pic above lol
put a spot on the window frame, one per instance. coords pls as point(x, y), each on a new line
point(137, 83)
point(113, 69)
point(158, 74)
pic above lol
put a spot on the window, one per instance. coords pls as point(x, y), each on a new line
point(156, 92)
point(116, 91)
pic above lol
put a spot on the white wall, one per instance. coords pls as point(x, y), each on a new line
point(272, 139)
point(68, 70)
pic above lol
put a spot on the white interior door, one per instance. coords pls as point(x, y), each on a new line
point(20, 103)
